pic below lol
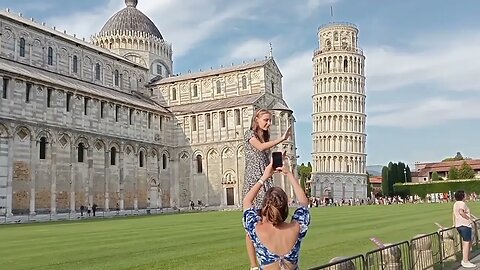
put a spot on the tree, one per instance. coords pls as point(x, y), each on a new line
point(304, 172)
point(392, 174)
point(385, 179)
point(453, 173)
point(369, 186)
point(435, 176)
point(458, 156)
point(466, 171)
point(409, 175)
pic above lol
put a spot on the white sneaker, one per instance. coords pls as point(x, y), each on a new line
point(468, 264)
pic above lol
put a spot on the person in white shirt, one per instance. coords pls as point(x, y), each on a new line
point(462, 221)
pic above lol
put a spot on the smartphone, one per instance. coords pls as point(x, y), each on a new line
point(277, 158)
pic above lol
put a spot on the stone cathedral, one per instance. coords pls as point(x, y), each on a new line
point(108, 122)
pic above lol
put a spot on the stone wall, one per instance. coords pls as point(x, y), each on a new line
point(39, 39)
point(68, 138)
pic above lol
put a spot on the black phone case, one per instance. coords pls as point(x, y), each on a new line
point(277, 159)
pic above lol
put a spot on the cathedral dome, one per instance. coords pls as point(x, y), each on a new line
point(130, 19)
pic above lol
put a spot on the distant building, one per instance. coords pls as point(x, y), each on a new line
point(423, 171)
point(376, 182)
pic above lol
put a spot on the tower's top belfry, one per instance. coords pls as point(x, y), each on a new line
point(338, 36)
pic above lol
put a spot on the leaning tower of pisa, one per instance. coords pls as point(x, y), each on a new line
point(339, 158)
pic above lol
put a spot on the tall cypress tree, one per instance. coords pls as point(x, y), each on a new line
point(369, 186)
point(385, 179)
point(409, 175)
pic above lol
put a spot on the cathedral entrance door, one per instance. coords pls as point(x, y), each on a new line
point(230, 196)
point(153, 195)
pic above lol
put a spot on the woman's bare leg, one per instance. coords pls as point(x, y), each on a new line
point(466, 251)
point(251, 252)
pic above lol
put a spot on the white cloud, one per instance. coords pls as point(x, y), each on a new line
point(253, 48)
point(311, 6)
point(183, 23)
point(425, 113)
point(447, 66)
point(297, 71)
point(85, 23)
point(383, 108)
point(446, 63)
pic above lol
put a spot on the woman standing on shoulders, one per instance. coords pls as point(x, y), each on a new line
point(257, 147)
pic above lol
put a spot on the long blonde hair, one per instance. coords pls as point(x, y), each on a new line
point(262, 135)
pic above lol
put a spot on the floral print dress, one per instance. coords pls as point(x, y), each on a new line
point(255, 163)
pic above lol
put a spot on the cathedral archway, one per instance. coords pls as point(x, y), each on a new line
point(153, 199)
point(229, 183)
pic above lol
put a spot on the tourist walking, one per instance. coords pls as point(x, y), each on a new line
point(281, 241)
point(462, 220)
point(257, 147)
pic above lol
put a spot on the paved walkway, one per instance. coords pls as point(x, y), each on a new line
point(475, 260)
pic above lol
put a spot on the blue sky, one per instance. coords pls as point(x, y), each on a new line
point(422, 59)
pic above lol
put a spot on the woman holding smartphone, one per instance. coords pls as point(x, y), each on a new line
point(257, 157)
point(277, 242)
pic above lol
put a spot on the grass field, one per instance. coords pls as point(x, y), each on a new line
point(210, 240)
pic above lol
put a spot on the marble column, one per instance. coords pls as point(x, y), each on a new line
point(90, 175)
point(207, 184)
point(33, 173)
point(160, 189)
point(53, 184)
point(121, 180)
point(105, 179)
point(135, 181)
point(72, 179)
point(10, 177)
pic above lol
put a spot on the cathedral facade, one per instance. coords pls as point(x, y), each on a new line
point(107, 122)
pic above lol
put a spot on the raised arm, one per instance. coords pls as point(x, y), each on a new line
point(299, 192)
point(267, 145)
point(250, 196)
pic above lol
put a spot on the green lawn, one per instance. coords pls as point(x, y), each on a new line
point(211, 240)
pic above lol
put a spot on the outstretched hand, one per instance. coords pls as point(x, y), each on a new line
point(287, 133)
point(286, 168)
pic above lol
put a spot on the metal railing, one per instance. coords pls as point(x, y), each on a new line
point(391, 256)
point(451, 244)
point(347, 49)
point(340, 24)
point(423, 252)
point(476, 234)
point(341, 263)
point(426, 251)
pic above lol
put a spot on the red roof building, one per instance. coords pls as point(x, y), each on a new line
point(423, 171)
